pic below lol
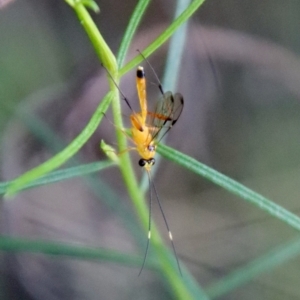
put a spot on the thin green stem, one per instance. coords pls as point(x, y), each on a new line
point(103, 51)
point(231, 185)
point(135, 20)
point(60, 158)
point(61, 249)
point(175, 52)
point(162, 38)
point(108, 59)
point(261, 265)
point(65, 174)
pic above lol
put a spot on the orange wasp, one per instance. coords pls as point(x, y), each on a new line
point(147, 129)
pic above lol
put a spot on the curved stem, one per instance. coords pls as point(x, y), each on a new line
point(162, 38)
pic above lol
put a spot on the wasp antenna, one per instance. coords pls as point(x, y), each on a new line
point(115, 83)
point(153, 71)
point(210, 61)
point(107, 118)
point(151, 182)
point(149, 225)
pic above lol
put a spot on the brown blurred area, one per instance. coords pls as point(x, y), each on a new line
point(239, 75)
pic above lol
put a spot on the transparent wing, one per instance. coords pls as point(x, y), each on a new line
point(167, 112)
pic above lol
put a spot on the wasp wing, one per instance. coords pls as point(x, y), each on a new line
point(167, 112)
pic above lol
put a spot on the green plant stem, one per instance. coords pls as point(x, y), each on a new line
point(231, 185)
point(135, 20)
point(162, 38)
point(56, 248)
point(97, 40)
point(109, 61)
point(175, 51)
point(64, 174)
point(103, 51)
point(60, 158)
point(264, 264)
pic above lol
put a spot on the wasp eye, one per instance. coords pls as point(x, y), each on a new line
point(142, 162)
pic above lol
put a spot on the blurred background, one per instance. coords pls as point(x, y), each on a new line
point(240, 75)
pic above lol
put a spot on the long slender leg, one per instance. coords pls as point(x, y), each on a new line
point(166, 222)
